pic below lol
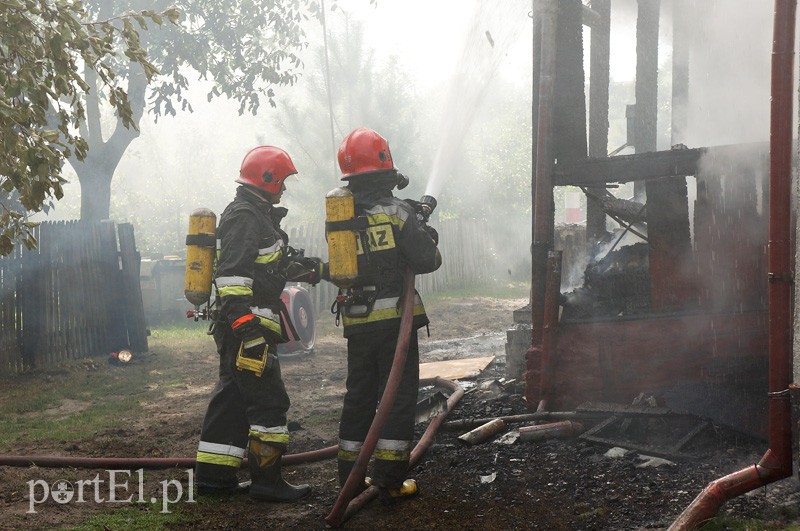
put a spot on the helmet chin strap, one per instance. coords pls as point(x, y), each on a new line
point(260, 194)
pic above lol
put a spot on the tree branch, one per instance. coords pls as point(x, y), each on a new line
point(92, 129)
point(122, 136)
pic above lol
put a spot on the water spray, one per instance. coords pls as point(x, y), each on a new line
point(492, 30)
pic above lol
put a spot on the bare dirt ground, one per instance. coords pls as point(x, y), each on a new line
point(566, 484)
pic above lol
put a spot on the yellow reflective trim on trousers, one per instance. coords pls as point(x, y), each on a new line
point(347, 455)
point(269, 258)
point(392, 455)
point(217, 459)
point(242, 291)
point(281, 438)
point(380, 315)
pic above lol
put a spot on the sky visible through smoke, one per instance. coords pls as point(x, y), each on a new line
point(491, 31)
point(452, 52)
point(729, 88)
point(173, 159)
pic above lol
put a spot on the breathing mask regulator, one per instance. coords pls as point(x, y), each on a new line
point(424, 207)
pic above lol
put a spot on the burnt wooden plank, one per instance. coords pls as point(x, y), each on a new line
point(645, 166)
point(641, 448)
point(694, 432)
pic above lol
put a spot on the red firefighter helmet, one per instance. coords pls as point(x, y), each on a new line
point(364, 151)
point(266, 167)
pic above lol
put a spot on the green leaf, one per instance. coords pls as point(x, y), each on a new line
point(140, 20)
point(51, 135)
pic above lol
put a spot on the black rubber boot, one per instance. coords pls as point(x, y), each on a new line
point(218, 480)
point(265, 472)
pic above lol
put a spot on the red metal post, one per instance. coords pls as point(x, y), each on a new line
point(777, 461)
point(550, 327)
point(542, 186)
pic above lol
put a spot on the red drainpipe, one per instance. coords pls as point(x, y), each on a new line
point(542, 188)
point(777, 461)
point(550, 328)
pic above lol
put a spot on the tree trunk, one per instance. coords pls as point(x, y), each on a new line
point(97, 170)
point(95, 189)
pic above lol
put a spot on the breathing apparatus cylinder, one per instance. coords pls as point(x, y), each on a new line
point(201, 245)
point(342, 246)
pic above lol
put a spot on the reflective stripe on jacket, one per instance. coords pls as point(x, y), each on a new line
point(250, 243)
point(393, 239)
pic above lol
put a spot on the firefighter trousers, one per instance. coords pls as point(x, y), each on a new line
point(243, 405)
point(369, 361)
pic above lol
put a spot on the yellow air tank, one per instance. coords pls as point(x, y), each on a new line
point(342, 249)
point(201, 246)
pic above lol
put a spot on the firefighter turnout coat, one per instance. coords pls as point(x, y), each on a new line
point(393, 239)
point(245, 404)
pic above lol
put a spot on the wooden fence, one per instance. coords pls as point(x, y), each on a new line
point(76, 295)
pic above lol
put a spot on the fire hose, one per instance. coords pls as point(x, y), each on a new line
point(157, 463)
point(419, 450)
point(346, 504)
point(152, 463)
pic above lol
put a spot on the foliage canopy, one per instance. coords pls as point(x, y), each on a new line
point(62, 63)
point(241, 48)
point(45, 50)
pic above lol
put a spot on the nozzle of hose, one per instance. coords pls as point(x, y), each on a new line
point(428, 204)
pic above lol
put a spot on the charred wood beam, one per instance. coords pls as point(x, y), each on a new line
point(626, 209)
point(643, 166)
point(590, 17)
point(628, 168)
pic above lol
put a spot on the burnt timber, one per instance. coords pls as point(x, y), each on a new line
point(679, 162)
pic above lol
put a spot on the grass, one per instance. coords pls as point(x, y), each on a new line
point(188, 330)
point(140, 517)
point(102, 394)
point(82, 398)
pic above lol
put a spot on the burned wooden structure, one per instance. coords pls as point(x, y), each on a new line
point(674, 301)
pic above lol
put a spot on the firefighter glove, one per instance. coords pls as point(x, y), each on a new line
point(305, 270)
point(247, 327)
point(433, 234)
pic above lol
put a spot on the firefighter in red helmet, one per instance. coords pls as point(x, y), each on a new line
point(371, 315)
point(247, 411)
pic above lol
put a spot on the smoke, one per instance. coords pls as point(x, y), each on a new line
point(729, 87)
point(493, 28)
